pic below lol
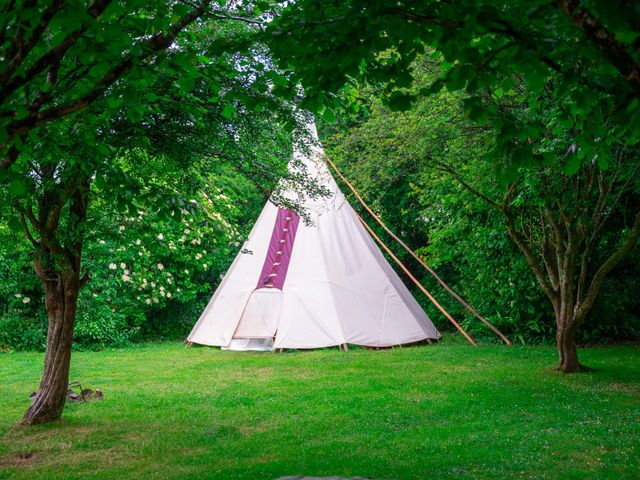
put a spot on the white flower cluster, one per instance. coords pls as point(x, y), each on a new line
point(24, 299)
point(152, 289)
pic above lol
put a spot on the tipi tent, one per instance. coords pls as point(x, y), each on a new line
point(311, 282)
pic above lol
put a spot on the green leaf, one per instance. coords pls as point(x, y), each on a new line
point(604, 159)
point(100, 182)
point(18, 187)
point(14, 224)
point(475, 110)
point(328, 115)
point(400, 101)
point(478, 115)
point(229, 110)
point(535, 80)
point(135, 113)
point(435, 87)
point(573, 164)
point(114, 102)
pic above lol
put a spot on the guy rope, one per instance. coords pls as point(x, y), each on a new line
point(420, 261)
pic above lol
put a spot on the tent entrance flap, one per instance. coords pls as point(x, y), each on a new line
point(261, 314)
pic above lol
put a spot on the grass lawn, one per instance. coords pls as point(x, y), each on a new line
point(424, 412)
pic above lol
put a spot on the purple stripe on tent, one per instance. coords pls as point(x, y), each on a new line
point(276, 264)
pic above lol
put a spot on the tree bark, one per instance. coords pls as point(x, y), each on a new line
point(61, 298)
point(604, 39)
point(567, 348)
point(58, 267)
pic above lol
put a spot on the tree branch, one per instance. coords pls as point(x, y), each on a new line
point(50, 58)
point(12, 156)
point(604, 40)
point(520, 242)
point(18, 40)
point(27, 232)
point(23, 49)
point(452, 171)
point(85, 278)
point(250, 21)
point(531, 259)
point(7, 8)
point(28, 213)
point(156, 43)
point(606, 267)
point(548, 248)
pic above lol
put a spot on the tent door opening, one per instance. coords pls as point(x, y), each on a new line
point(261, 315)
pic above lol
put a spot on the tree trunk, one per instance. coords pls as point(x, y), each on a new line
point(61, 297)
point(567, 348)
point(58, 265)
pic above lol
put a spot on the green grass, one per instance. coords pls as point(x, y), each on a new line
point(425, 412)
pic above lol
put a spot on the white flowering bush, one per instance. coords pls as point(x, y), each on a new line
point(148, 268)
point(151, 273)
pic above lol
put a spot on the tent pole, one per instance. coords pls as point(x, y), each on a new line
point(414, 255)
point(415, 280)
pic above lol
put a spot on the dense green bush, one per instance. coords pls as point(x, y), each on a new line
point(21, 332)
point(616, 314)
point(175, 320)
point(23, 322)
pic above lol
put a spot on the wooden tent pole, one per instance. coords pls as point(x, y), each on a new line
point(415, 255)
point(415, 280)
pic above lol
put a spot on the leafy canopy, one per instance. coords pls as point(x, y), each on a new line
point(580, 56)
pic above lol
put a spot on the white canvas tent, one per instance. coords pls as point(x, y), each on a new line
point(307, 283)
